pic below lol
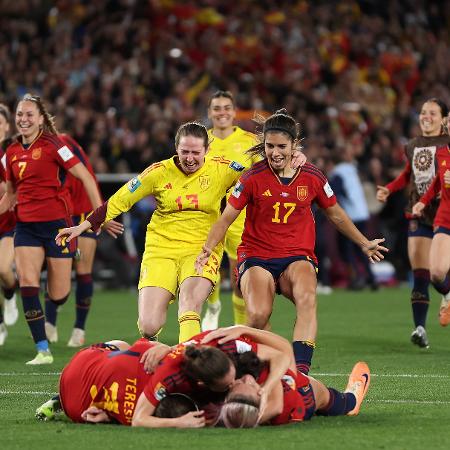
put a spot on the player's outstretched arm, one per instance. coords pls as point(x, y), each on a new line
point(9, 198)
point(143, 417)
point(342, 222)
point(216, 235)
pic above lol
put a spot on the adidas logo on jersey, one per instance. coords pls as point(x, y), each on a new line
point(267, 193)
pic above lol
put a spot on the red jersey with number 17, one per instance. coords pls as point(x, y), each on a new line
point(38, 174)
point(442, 218)
point(279, 221)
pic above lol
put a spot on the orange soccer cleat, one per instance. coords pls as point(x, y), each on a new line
point(444, 310)
point(358, 385)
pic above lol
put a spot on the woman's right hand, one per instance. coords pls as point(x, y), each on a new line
point(418, 208)
point(152, 357)
point(382, 193)
point(202, 259)
point(224, 334)
point(192, 419)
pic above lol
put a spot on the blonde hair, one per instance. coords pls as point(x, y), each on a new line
point(49, 121)
point(240, 411)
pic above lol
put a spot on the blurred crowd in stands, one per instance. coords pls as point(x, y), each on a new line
point(120, 76)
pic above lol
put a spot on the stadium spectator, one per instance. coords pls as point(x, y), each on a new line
point(348, 188)
point(188, 191)
point(230, 142)
point(277, 249)
point(420, 169)
point(35, 164)
point(440, 244)
point(9, 314)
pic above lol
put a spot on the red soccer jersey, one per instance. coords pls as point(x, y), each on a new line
point(7, 219)
point(110, 380)
point(38, 174)
point(81, 203)
point(279, 221)
point(442, 218)
point(294, 407)
point(169, 377)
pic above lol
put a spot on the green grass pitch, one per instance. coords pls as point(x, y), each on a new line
point(407, 407)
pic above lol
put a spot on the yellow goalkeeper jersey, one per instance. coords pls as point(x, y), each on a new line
point(187, 205)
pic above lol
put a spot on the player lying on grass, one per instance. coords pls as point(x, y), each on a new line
point(113, 378)
point(295, 399)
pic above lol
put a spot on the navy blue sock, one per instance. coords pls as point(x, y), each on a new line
point(339, 405)
point(443, 287)
point(83, 296)
point(51, 308)
point(420, 297)
point(303, 353)
point(34, 315)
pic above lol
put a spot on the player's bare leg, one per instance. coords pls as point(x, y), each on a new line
point(239, 309)
point(192, 295)
point(298, 283)
point(152, 304)
point(258, 289)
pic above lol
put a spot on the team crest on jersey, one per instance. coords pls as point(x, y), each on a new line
point(302, 193)
point(236, 166)
point(160, 392)
point(134, 184)
point(204, 181)
point(36, 153)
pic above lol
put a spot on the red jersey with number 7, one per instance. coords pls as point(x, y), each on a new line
point(38, 172)
point(279, 221)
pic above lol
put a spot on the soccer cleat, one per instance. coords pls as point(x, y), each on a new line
point(41, 358)
point(211, 319)
point(444, 310)
point(358, 385)
point(11, 313)
point(419, 337)
point(51, 332)
point(48, 410)
point(3, 333)
point(77, 338)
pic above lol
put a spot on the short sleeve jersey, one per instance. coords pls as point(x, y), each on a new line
point(187, 205)
point(7, 219)
point(38, 173)
point(421, 154)
point(442, 218)
point(109, 380)
point(169, 377)
point(81, 204)
point(234, 148)
point(279, 221)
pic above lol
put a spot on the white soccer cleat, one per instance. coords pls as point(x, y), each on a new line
point(10, 313)
point(419, 337)
point(41, 358)
point(77, 338)
point(211, 319)
point(51, 332)
point(3, 333)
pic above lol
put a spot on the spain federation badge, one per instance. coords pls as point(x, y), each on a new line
point(204, 181)
point(302, 193)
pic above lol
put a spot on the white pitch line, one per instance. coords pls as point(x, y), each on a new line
point(26, 393)
point(32, 374)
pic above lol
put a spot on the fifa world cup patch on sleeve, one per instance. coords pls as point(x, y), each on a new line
point(238, 188)
point(236, 166)
point(65, 153)
point(134, 184)
point(160, 392)
point(242, 346)
point(4, 161)
point(328, 191)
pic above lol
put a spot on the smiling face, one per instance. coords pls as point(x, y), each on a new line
point(430, 119)
point(222, 113)
point(191, 153)
point(28, 120)
point(278, 147)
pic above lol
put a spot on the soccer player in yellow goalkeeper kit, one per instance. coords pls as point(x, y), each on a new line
point(188, 189)
point(230, 142)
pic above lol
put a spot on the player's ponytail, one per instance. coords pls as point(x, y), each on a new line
point(49, 121)
point(206, 364)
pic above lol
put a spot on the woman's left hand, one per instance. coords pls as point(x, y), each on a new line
point(298, 159)
point(224, 334)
